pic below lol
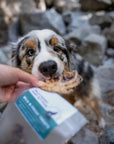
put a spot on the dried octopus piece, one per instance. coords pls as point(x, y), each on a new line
point(65, 84)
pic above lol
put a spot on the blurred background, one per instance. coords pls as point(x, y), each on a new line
point(87, 24)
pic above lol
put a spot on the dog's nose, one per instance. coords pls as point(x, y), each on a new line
point(48, 68)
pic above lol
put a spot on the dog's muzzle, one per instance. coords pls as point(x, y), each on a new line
point(48, 68)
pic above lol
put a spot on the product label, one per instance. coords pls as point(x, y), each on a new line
point(44, 110)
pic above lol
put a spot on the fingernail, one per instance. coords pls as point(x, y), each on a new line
point(38, 83)
point(41, 83)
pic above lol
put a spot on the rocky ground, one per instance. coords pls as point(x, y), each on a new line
point(89, 26)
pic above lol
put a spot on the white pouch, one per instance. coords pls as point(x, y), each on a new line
point(40, 117)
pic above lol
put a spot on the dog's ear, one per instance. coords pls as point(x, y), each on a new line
point(15, 51)
point(71, 47)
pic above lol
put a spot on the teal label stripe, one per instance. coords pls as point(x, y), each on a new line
point(39, 119)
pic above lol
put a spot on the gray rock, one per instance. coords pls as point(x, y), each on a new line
point(110, 52)
point(111, 14)
point(78, 35)
point(27, 6)
point(15, 7)
point(63, 5)
point(49, 3)
point(1, 12)
point(32, 21)
point(105, 75)
point(109, 33)
point(96, 5)
point(110, 134)
point(13, 31)
point(93, 48)
point(103, 20)
point(41, 20)
point(85, 136)
point(98, 39)
point(40, 4)
point(56, 21)
point(67, 17)
point(5, 55)
point(91, 45)
point(11, 9)
point(109, 61)
point(78, 20)
point(3, 58)
point(3, 29)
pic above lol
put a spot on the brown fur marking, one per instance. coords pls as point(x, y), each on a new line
point(30, 44)
point(54, 41)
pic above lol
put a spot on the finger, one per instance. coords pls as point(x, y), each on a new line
point(22, 84)
point(28, 78)
point(10, 75)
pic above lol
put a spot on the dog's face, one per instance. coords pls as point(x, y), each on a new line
point(42, 53)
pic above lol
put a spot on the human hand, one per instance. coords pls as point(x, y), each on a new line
point(13, 82)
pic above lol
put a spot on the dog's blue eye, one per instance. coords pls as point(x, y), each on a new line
point(31, 52)
point(57, 49)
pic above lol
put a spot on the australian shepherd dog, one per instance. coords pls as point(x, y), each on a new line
point(46, 54)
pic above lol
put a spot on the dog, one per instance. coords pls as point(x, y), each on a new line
point(45, 54)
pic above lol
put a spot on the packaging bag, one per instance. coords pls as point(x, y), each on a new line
point(40, 117)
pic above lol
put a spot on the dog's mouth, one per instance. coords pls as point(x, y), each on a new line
point(65, 76)
point(54, 77)
point(64, 84)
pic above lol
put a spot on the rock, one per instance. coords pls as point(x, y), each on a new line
point(91, 45)
point(13, 31)
point(111, 14)
point(96, 5)
point(27, 6)
point(78, 20)
point(49, 3)
point(5, 55)
point(3, 29)
point(67, 17)
point(56, 21)
point(79, 34)
point(102, 19)
point(14, 8)
point(11, 9)
point(1, 12)
point(110, 52)
point(93, 48)
point(41, 20)
point(110, 134)
point(40, 4)
point(85, 136)
point(105, 76)
point(109, 61)
point(3, 58)
point(109, 33)
point(63, 5)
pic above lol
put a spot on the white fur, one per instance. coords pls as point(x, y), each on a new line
point(96, 88)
